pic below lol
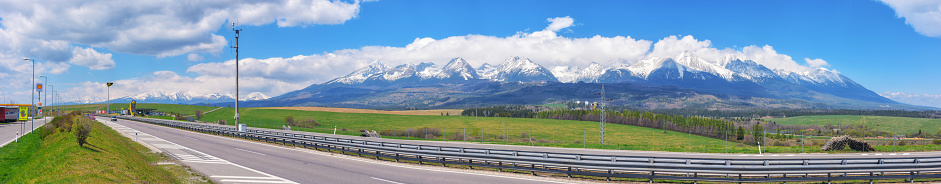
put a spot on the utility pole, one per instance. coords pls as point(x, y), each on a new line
point(236, 73)
point(32, 95)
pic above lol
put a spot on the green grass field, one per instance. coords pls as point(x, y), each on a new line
point(108, 157)
point(544, 132)
point(898, 125)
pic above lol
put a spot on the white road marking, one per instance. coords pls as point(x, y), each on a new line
point(254, 181)
point(385, 180)
point(187, 157)
point(250, 151)
point(864, 154)
point(789, 155)
point(383, 162)
point(878, 153)
point(904, 153)
point(241, 177)
point(891, 153)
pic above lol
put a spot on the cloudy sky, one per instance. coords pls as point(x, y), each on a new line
point(890, 47)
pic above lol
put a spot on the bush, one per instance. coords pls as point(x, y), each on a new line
point(416, 133)
point(309, 123)
point(222, 122)
point(199, 114)
point(82, 129)
point(289, 120)
point(456, 136)
point(901, 143)
point(46, 130)
point(936, 142)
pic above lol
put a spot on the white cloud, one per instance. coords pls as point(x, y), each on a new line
point(915, 99)
point(767, 56)
point(923, 15)
point(160, 27)
point(194, 57)
point(814, 63)
point(560, 23)
point(275, 76)
point(62, 32)
point(171, 82)
point(92, 59)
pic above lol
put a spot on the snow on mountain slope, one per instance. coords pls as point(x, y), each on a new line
point(458, 67)
point(731, 69)
point(358, 76)
point(256, 96)
point(523, 70)
point(566, 74)
point(487, 71)
point(592, 73)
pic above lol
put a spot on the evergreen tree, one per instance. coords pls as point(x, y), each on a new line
point(758, 131)
point(740, 133)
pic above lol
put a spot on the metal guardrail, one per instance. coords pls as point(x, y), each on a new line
point(653, 167)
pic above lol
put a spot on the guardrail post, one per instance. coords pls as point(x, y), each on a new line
point(911, 177)
point(569, 173)
point(652, 175)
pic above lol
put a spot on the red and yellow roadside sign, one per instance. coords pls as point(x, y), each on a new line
point(24, 114)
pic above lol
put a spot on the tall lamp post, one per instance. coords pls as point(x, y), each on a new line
point(43, 101)
point(109, 97)
point(50, 92)
point(32, 94)
point(236, 73)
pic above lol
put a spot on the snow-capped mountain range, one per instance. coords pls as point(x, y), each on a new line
point(172, 98)
point(524, 70)
point(730, 75)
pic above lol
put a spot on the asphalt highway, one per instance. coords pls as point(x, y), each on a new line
point(309, 166)
point(8, 130)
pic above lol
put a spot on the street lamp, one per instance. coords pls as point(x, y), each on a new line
point(51, 90)
point(236, 73)
point(44, 100)
point(109, 97)
point(32, 94)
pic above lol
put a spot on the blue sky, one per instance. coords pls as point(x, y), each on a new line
point(866, 41)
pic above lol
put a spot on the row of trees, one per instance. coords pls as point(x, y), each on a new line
point(742, 129)
point(757, 113)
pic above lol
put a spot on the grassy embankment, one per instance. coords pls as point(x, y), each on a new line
point(107, 157)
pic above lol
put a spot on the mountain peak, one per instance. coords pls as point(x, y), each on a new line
point(458, 68)
point(522, 69)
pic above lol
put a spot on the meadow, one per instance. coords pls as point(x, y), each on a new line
point(898, 125)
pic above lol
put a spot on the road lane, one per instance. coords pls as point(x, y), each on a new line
point(308, 166)
point(8, 131)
